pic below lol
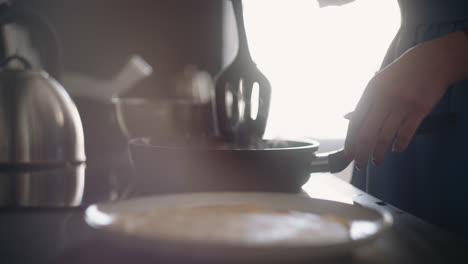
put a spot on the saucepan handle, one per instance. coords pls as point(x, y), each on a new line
point(335, 161)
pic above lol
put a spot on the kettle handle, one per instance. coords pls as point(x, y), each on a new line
point(34, 22)
point(26, 64)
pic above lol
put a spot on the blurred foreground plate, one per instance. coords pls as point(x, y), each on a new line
point(366, 225)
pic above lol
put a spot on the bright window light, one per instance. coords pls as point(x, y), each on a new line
point(318, 60)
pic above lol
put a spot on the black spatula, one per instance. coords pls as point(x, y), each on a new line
point(242, 115)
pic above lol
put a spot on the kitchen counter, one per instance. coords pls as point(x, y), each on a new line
point(411, 240)
point(61, 236)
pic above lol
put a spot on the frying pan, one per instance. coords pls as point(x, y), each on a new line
point(217, 165)
point(272, 166)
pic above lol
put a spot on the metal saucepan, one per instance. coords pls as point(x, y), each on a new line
point(215, 165)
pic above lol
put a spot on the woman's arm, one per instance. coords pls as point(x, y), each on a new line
point(399, 96)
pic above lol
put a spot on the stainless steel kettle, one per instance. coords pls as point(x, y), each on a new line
point(39, 123)
point(40, 131)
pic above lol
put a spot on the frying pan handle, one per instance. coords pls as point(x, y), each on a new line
point(334, 161)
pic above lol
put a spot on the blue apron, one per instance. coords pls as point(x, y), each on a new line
point(430, 178)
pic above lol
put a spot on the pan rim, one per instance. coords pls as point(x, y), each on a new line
point(303, 144)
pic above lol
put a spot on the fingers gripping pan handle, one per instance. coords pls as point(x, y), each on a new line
point(430, 124)
point(336, 161)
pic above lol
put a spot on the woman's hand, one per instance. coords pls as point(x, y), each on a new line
point(398, 98)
